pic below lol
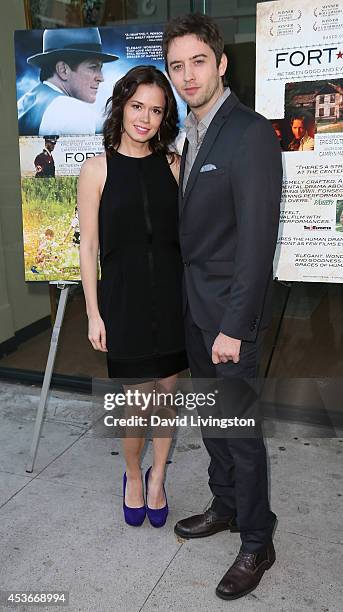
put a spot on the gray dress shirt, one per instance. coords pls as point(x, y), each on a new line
point(195, 133)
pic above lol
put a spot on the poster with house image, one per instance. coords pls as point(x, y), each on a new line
point(320, 100)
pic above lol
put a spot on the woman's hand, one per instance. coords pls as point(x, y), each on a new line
point(97, 333)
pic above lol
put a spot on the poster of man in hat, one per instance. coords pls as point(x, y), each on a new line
point(70, 74)
point(64, 76)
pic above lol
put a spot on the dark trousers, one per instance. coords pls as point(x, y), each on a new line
point(238, 468)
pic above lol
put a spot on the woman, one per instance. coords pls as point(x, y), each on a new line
point(127, 199)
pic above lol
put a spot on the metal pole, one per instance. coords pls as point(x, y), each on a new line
point(47, 376)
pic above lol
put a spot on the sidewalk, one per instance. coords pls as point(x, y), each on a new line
point(61, 527)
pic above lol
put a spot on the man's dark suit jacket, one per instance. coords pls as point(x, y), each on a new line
point(229, 221)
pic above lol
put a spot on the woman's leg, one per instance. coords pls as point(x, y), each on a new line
point(132, 448)
point(162, 440)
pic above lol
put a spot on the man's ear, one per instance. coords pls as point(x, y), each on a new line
point(62, 70)
point(222, 65)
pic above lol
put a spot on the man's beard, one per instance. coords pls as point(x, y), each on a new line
point(206, 97)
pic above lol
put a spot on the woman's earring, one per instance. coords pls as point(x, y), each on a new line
point(159, 135)
point(121, 128)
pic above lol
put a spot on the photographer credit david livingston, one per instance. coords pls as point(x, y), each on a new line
point(190, 401)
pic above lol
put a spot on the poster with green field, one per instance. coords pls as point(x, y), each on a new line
point(60, 126)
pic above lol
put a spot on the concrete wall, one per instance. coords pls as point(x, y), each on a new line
point(20, 303)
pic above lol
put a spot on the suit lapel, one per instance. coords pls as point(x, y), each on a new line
point(207, 144)
point(182, 173)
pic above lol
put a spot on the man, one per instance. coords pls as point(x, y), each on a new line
point(70, 75)
point(230, 190)
point(44, 162)
point(302, 141)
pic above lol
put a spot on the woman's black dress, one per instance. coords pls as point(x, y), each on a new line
point(141, 268)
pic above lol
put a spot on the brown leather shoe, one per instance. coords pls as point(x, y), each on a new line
point(203, 525)
point(245, 573)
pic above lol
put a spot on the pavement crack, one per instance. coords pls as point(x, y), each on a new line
point(160, 578)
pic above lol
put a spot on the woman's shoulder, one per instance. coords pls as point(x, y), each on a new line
point(93, 174)
point(94, 168)
point(96, 163)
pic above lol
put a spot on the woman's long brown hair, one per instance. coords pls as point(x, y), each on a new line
point(123, 90)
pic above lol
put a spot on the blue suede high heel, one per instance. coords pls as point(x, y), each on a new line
point(133, 516)
point(156, 516)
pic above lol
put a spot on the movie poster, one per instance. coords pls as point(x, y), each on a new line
point(60, 126)
point(299, 87)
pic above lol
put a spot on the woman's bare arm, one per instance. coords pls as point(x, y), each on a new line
point(90, 185)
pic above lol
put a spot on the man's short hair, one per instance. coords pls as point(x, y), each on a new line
point(49, 69)
point(202, 26)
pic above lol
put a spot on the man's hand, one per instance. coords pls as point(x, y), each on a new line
point(225, 349)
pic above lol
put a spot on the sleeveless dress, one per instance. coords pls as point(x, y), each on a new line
point(141, 268)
